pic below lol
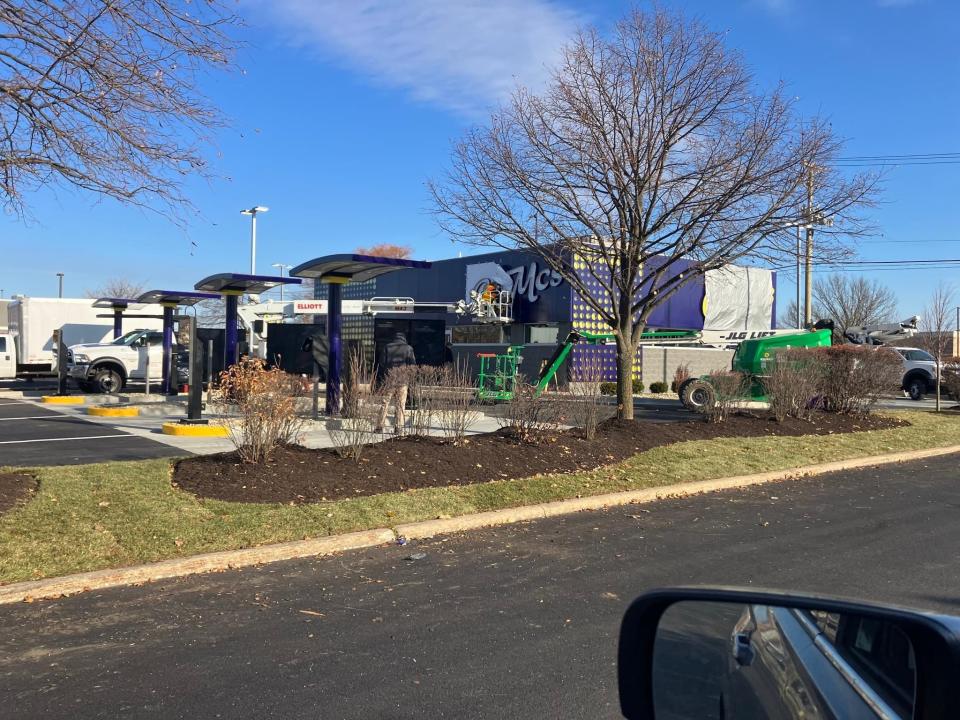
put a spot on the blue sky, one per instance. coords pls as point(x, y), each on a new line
point(342, 111)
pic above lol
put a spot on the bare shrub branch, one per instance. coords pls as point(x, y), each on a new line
point(587, 402)
point(527, 415)
point(355, 428)
point(453, 403)
point(266, 404)
point(853, 378)
point(792, 385)
point(729, 390)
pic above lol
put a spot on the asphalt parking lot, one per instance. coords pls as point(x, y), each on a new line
point(31, 434)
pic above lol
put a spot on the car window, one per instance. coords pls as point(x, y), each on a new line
point(154, 338)
point(881, 653)
point(3, 344)
point(919, 355)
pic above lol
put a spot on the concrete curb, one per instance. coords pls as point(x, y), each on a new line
point(431, 528)
point(179, 567)
point(210, 562)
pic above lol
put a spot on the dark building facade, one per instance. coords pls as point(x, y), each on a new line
point(545, 309)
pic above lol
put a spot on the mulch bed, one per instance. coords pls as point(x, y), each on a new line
point(296, 474)
point(15, 488)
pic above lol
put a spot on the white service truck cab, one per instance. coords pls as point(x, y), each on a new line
point(8, 356)
point(107, 366)
point(919, 372)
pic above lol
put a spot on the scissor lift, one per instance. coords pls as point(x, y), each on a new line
point(497, 378)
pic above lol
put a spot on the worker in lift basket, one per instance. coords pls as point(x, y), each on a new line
point(397, 354)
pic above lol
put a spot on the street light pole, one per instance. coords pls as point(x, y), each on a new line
point(252, 212)
point(60, 283)
point(281, 267)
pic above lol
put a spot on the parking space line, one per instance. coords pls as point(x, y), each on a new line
point(66, 439)
point(36, 417)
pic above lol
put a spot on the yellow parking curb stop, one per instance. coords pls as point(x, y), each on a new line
point(104, 411)
point(183, 430)
point(63, 399)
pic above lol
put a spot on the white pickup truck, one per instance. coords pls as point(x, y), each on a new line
point(107, 366)
point(919, 372)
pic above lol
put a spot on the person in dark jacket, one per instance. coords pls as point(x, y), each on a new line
point(396, 354)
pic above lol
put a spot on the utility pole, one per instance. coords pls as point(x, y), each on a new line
point(798, 278)
point(60, 282)
point(808, 260)
point(956, 335)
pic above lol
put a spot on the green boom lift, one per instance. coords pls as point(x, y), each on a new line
point(752, 358)
point(497, 378)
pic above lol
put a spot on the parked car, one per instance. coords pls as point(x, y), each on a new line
point(106, 367)
point(919, 372)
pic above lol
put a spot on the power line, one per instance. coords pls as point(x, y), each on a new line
point(928, 156)
point(939, 158)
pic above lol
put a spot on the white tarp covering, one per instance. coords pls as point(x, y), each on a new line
point(738, 298)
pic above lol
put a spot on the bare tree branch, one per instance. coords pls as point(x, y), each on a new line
point(849, 302)
point(102, 95)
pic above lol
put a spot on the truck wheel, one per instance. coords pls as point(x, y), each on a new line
point(107, 381)
point(916, 388)
point(697, 395)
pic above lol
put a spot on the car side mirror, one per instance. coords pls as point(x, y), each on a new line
point(726, 653)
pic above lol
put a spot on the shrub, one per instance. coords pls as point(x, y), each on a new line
point(637, 386)
point(729, 389)
point(527, 415)
point(793, 384)
point(853, 378)
point(608, 388)
point(586, 398)
point(950, 382)
point(453, 402)
point(680, 376)
point(658, 387)
point(362, 400)
point(266, 405)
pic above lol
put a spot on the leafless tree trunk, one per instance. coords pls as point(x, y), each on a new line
point(102, 96)
point(936, 329)
point(649, 159)
point(848, 301)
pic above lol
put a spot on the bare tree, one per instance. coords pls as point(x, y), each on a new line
point(386, 250)
point(649, 159)
point(936, 328)
point(117, 288)
point(102, 95)
point(848, 301)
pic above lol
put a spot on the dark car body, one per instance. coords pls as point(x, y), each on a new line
point(787, 663)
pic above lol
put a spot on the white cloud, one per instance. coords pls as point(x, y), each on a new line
point(777, 7)
point(460, 54)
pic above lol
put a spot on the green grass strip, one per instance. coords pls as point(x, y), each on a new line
point(89, 517)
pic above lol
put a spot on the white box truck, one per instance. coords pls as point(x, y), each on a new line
point(26, 347)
